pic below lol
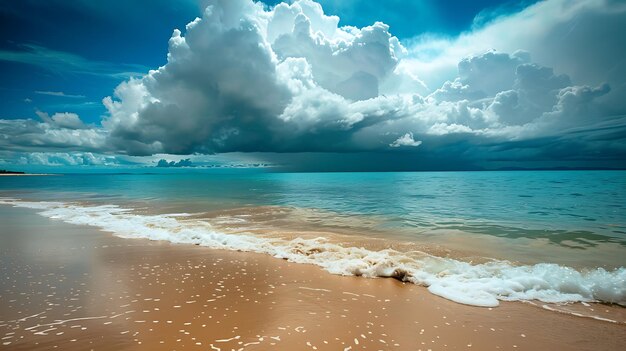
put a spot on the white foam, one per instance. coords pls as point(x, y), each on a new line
point(473, 284)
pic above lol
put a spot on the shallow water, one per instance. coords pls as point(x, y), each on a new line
point(575, 219)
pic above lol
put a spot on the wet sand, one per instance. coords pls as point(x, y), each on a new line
point(74, 288)
point(368, 231)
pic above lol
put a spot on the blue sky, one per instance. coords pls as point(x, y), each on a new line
point(485, 83)
point(128, 37)
point(83, 48)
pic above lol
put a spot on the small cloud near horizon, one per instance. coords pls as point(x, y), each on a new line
point(163, 163)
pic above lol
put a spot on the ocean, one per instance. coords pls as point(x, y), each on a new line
point(476, 238)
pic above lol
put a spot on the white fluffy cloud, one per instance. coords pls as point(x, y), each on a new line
point(406, 140)
point(62, 131)
point(65, 120)
point(246, 79)
point(347, 61)
point(288, 79)
point(65, 159)
point(580, 38)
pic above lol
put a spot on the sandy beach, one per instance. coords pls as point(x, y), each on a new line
point(74, 288)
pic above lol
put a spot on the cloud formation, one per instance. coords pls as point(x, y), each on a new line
point(289, 79)
point(163, 163)
point(66, 159)
point(575, 36)
point(59, 94)
point(64, 120)
point(406, 140)
point(248, 78)
point(61, 131)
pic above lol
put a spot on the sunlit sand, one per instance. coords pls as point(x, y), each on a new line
point(71, 287)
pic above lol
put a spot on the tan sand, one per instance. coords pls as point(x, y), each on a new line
point(73, 288)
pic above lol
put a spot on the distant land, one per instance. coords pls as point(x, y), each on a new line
point(4, 171)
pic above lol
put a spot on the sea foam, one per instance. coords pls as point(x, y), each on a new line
point(482, 284)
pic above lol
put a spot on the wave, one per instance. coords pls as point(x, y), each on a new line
point(482, 284)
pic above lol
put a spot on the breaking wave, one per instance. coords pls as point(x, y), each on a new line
point(482, 284)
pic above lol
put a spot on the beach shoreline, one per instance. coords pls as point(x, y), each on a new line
point(76, 288)
point(484, 283)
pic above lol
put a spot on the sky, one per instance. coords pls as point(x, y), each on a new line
point(352, 85)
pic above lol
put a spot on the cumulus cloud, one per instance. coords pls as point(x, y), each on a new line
point(406, 140)
point(219, 85)
point(163, 163)
point(290, 79)
point(61, 131)
point(65, 120)
point(577, 37)
point(350, 62)
point(246, 79)
point(56, 159)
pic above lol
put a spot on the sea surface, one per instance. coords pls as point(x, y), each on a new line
point(473, 237)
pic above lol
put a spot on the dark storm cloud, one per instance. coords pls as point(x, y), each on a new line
point(163, 163)
point(244, 78)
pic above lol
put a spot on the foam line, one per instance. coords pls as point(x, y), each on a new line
point(473, 284)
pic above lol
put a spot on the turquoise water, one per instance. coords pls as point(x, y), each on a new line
point(554, 205)
point(531, 224)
